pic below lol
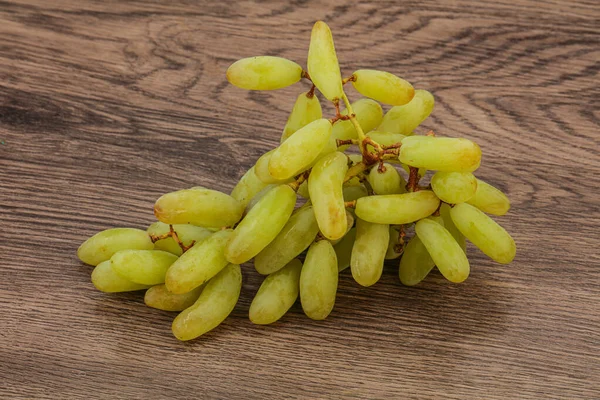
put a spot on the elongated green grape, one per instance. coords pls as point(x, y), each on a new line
point(349, 225)
point(343, 249)
point(386, 138)
point(247, 187)
point(300, 150)
point(303, 190)
point(160, 298)
point(443, 249)
point(202, 207)
point(454, 187)
point(416, 263)
point(263, 73)
point(259, 196)
point(185, 232)
point(397, 209)
point(368, 252)
point(352, 193)
point(404, 119)
point(489, 199)
point(449, 225)
point(216, 302)
point(261, 169)
point(322, 62)
point(105, 279)
point(387, 182)
point(391, 252)
point(276, 294)
point(383, 87)
point(325, 188)
point(319, 280)
point(484, 232)
point(295, 237)
point(306, 110)
point(200, 263)
point(261, 225)
point(146, 267)
point(368, 114)
point(441, 154)
point(103, 245)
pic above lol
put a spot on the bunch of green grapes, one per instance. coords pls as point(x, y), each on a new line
point(358, 206)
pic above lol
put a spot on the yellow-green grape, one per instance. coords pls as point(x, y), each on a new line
point(368, 252)
point(325, 188)
point(404, 119)
point(276, 294)
point(263, 73)
point(484, 232)
point(202, 207)
point(185, 232)
point(343, 249)
point(261, 225)
point(259, 196)
point(454, 187)
point(397, 209)
point(306, 110)
point(383, 86)
point(295, 237)
point(489, 199)
point(386, 138)
point(200, 263)
point(387, 182)
point(247, 187)
point(300, 150)
point(449, 225)
point(392, 252)
point(416, 263)
point(441, 154)
point(319, 280)
point(216, 302)
point(322, 62)
point(147, 267)
point(444, 250)
point(352, 193)
point(349, 225)
point(303, 190)
point(355, 158)
point(160, 298)
point(261, 169)
point(106, 280)
point(103, 245)
point(368, 114)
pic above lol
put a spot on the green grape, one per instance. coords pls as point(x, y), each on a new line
point(325, 188)
point(303, 190)
point(416, 263)
point(349, 225)
point(368, 252)
point(484, 232)
point(449, 225)
point(160, 298)
point(352, 193)
point(489, 199)
point(259, 196)
point(306, 110)
point(185, 232)
point(263, 73)
point(397, 209)
point(441, 154)
point(202, 207)
point(277, 294)
point(391, 252)
point(105, 279)
point(295, 237)
point(103, 245)
point(319, 280)
point(355, 158)
point(261, 225)
point(387, 182)
point(444, 250)
point(382, 86)
point(404, 119)
point(386, 138)
point(247, 187)
point(368, 114)
point(300, 150)
point(261, 169)
point(146, 267)
point(215, 303)
point(200, 263)
point(323, 64)
point(343, 249)
point(454, 187)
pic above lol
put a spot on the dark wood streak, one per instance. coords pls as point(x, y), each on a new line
point(104, 106)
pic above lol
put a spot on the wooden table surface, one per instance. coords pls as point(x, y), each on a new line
point(105, 105)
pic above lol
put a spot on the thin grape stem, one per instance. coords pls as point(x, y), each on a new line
point(299, 180)
point(351, 78)
point(359, 131)
point(311, 93)
point(172, 233)
point(355, 170)
point(350, 204)
point(413, 179)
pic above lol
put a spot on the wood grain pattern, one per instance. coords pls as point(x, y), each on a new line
point(105, 105)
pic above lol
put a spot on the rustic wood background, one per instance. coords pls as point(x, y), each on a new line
point(105, 105)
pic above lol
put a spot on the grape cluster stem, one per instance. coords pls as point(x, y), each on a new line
point(172, 233)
